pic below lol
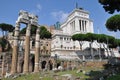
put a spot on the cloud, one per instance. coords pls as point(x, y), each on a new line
point(39, 7)
point(60, 15)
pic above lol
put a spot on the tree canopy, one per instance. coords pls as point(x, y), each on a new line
point(113, 23)
point(33, 30)
point(101, 38)
point(5, 45)
point(80, 38)
point(5, 28)
point(91, 37)
point(44, 33)
point(110, 6)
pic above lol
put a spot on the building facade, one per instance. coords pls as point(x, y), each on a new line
point(78, 21)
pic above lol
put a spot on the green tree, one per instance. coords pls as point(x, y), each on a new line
point(5, 45)
point(91, 37)
point(113, 23)
point(33, 30)
point(110, 6)
point(5, 28)
point(100, 39)
point(44, 33)
point(80, 38)
point(118, 41)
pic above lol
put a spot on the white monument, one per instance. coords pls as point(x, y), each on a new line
point(78, 21)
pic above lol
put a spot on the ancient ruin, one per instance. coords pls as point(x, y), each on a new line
point(28, 19)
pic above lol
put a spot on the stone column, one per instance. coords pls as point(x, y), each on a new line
point(82, 26)
point(37, 51)
point(77, 25)
point(3, 65)
point(85, 26)
point(19, 65)
point(15, 50)
point(27, 49)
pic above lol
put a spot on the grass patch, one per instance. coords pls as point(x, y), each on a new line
point(115, 77)
point(50, 75)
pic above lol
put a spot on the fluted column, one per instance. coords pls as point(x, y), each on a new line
point(82, 26)
point(15, 50)
point(37, 51)
point(85, 26)
point(27, 49)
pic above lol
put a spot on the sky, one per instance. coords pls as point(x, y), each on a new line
point(51, 11)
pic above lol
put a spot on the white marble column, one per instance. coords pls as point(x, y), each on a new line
point(77, 28)
point(82, 26)
point(85, 26)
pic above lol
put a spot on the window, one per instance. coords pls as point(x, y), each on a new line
point(46, 44)
point(73, 47)
point(65, 47)
point(61, 38)
point(64, 38)
point(61, 46)
point(41, 44)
